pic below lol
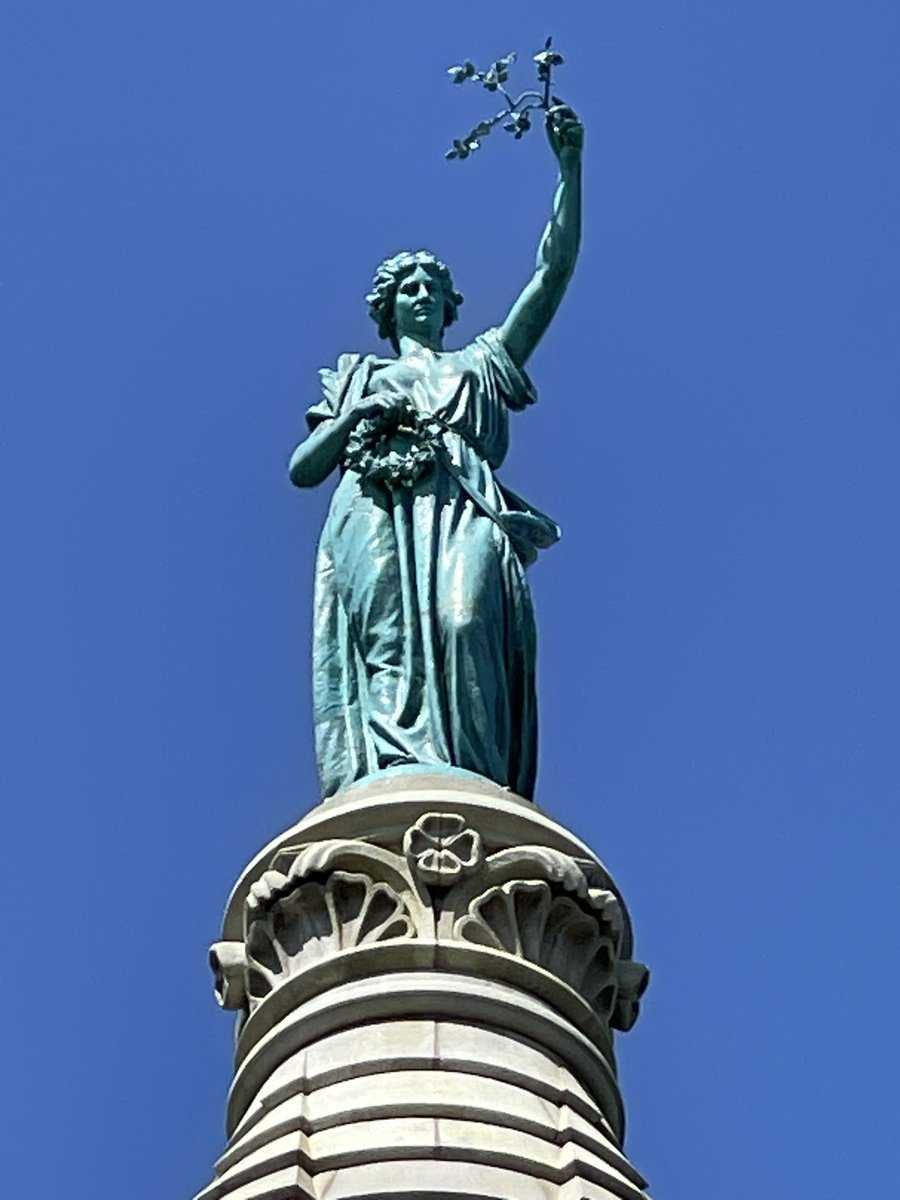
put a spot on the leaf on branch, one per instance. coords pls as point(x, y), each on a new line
point(518, 124)
point(459, 74)
point(500, 69)
point(548, 58)
point(461, 148)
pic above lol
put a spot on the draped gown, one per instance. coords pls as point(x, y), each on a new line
point(424, 632)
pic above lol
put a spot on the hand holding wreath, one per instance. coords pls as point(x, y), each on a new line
point(393, 442)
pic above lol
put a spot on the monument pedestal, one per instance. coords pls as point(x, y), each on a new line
point(428, 971)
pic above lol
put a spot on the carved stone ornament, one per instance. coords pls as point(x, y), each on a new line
point(228, 961)
point(579, 945)
point(533, 903)
point(633, 978)
point(441, 848)
point(316, 919)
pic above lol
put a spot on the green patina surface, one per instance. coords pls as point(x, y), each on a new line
point(424, 639)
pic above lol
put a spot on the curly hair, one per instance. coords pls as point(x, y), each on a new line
point(387, 280)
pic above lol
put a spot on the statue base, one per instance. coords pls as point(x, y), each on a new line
point(427, 971)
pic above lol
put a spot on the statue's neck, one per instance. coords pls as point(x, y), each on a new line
point(409, 345)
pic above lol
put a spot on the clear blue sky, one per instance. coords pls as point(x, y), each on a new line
point(194, 197)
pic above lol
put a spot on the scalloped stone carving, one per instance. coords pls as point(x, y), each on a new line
point(318, 918)
point(527, 918)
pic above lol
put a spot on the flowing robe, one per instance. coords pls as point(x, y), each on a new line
point(424, 633)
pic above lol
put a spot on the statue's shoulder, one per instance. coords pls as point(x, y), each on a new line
point(512, 382)
point(335, 380)
point(346, 363)
point(488, 347)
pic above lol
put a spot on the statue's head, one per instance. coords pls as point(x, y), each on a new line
point(389, 279)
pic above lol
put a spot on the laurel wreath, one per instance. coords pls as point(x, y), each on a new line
point(397, 449)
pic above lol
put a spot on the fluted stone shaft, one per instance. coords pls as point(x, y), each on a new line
point(428, 971)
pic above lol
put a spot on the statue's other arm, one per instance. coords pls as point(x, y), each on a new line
point(558, 250)
point(317, 456)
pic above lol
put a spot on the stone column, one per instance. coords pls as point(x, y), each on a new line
point(427, 971)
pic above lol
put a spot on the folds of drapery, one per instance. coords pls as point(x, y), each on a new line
point(424, 636)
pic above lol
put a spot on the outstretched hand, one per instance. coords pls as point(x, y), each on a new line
point(565, 133)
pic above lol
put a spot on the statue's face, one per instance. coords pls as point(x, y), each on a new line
point(419, 305)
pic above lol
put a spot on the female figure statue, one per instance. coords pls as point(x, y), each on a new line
point(424, 635)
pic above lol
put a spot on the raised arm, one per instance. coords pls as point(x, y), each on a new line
point(535, 308)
